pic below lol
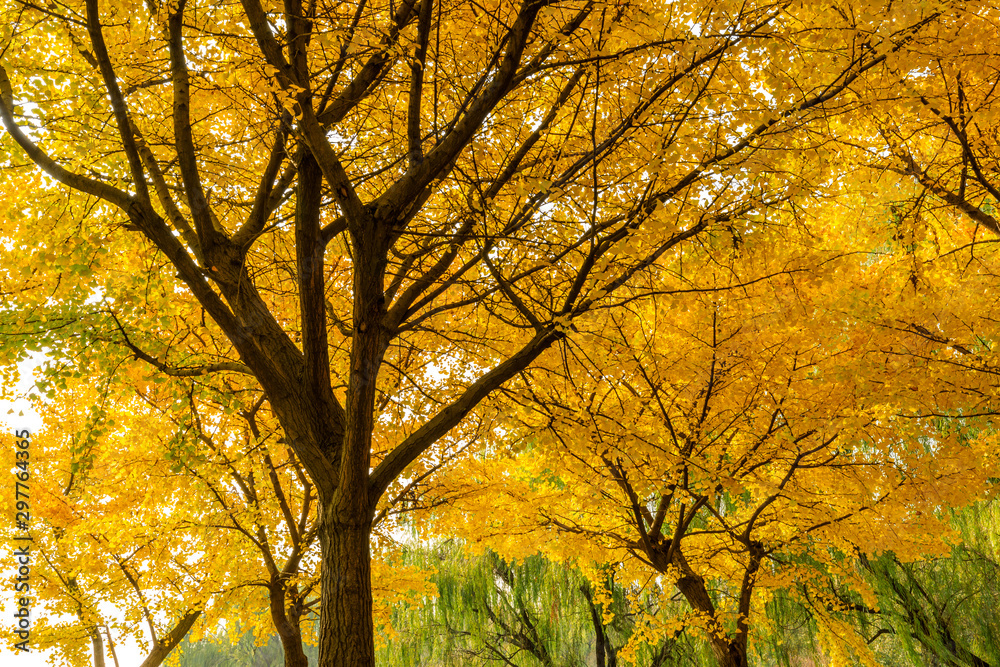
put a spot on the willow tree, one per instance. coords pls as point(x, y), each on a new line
point(535, 612)
point(375, 213)
point(940, 608)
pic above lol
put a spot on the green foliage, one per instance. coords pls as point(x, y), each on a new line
point(792, 639)
point(943, 611)
point(528, 613)
point(235, 648)
point(936, 611)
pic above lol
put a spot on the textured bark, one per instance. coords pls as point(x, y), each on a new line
point(289, 631)
point(346, 631)
point(346, 626)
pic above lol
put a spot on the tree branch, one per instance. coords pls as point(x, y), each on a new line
point(118, 104)
point(208, 235)
point(417, 65)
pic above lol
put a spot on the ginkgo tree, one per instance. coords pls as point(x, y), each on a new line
point(941, 131)
point(377, 213)
point(140, 515)
point(763, 421)
point(144, 503)
point(117, 557)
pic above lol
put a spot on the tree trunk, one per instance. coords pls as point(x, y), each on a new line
point(346, 631)
point(98, 642)
point(728, 651)
point(163, 647)
point(346, 636)
point(288, 629)
point(291, 646)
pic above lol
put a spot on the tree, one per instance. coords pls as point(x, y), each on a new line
point(940, 609)
point(748, 433)
point(375, 214)
point(156, 539)
point(231, 647)
point(937, 610)
point(941, 131)
point(536, 613)
point(115, 555)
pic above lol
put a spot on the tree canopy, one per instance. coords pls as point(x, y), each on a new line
point(375, 230)
point(735, 442)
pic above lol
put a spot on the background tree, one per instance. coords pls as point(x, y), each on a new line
point(939, 610)
point(378, 213)
point(233, 646)
point(753, 434)
point(117, 559)
point(215, 515)
point(535, 612)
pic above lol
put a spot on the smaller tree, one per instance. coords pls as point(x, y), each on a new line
point(748, 434)
point(212, 485)
point(118, 559)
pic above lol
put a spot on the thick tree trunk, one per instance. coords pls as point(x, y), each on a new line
point(346, 631)
point(728, 651)
point(346, 635)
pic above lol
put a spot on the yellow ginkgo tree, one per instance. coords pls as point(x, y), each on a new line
point(756, 427)
point(163, 510)
point(116, 558)
point(376, 213)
